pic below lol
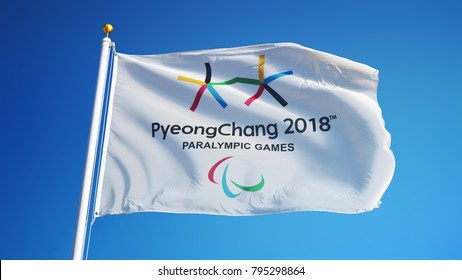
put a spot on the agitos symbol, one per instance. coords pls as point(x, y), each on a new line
point(262, 83)
point(224, 180)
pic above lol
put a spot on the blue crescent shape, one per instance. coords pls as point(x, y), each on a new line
point(224, 184)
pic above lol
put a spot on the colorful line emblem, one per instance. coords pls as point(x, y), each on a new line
point(262, 83)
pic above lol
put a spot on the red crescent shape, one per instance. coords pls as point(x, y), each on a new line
point(214, 167)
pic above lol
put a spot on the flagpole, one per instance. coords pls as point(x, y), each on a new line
point(81, 229)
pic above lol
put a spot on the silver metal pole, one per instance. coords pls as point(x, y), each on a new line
point(80, 232)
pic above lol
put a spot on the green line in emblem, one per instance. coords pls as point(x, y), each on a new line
point(237, 80)
point(253, 188)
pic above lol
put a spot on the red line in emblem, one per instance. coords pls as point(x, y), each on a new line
point(212, 170)
point(256, 95)
point(198, 97)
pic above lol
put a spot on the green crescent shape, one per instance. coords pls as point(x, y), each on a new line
point(253, 188)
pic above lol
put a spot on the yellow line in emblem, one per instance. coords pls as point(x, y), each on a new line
point(261, 69)
point(190, 80)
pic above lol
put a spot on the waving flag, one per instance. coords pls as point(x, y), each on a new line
point(244, 131)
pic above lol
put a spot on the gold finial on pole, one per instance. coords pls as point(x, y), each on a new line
point(108, 28)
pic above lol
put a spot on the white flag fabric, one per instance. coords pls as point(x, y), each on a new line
point(244, 131)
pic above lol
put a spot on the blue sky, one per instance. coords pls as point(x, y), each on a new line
point(50, 53)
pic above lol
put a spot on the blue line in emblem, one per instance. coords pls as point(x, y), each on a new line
point(224, 184)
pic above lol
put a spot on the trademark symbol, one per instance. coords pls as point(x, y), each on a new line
point(333, 117)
